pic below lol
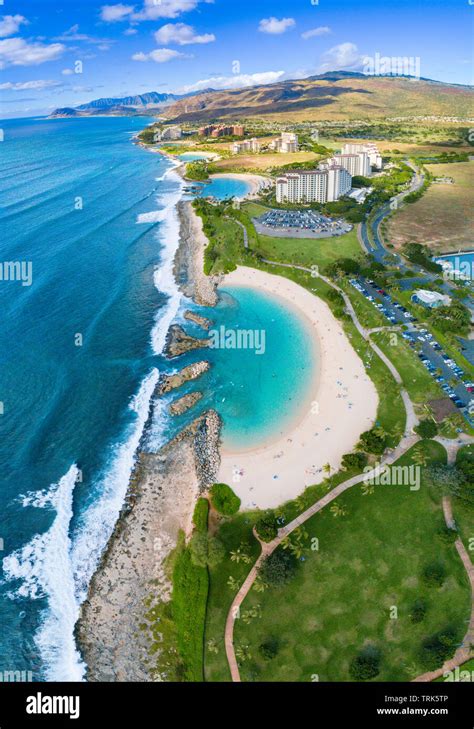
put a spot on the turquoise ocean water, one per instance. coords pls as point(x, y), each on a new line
point(94, 217)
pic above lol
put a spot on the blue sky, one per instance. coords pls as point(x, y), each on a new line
point(182, 45)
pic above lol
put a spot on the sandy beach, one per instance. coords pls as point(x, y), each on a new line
point(342, 405)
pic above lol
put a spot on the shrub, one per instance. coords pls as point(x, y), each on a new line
point(206, 551)
point(434, 574)
point(190, 591)
point(371, 442)
point(269, 649)
point(418, 611)
point(366, 664)
point(354, 460)
point(427, 429)
point(267, 527)
point(446, 535)
point(224, 500)
point(278, 568)
point(201, 513)
point(436, 649)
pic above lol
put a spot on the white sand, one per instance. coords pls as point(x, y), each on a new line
point(256, 182)
point(342, 405)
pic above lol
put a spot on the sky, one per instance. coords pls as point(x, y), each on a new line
point(57, 53)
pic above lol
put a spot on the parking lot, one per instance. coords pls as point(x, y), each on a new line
point(450, 377)
point(300, 224)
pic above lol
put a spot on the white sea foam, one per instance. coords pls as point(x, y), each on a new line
point(97, 523)
point(43, 566)
point(164, 278)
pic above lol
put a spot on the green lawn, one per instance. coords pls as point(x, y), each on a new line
point(368, 562)
point(417, 380)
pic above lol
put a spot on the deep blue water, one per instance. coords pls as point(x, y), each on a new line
point(94, 216)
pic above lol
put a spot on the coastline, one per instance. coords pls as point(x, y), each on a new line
point(342, 405)
point(158, 506)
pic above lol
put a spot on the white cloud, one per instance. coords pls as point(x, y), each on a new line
point(244, 80)
point(160, 55)
point(67, 72)
point(73, 34)
point(151, 10)
point(18, 52)
point(275, 26)
point(314, 32)
point(10, 24)
point(344, 56)
point(130, 31)
point(37, 85)
point(181, 34)
point(114, 13)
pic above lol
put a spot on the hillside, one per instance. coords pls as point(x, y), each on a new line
point(333, 96)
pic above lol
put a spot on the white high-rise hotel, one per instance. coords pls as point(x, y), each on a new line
point(356, 164)
point(324, 185)
point(375, 158)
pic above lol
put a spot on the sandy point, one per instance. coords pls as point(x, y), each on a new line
point(342, 405)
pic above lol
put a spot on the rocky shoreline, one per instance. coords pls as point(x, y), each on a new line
point(113, 630)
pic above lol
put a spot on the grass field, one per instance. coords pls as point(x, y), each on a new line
point(309, 252)
point(444, 217)
point(341, 597)
point(418, 382)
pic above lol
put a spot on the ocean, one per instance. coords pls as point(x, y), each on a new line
point(90, 219)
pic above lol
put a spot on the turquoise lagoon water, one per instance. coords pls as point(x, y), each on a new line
point(81, 352)
point(257, 395)
point(463, 262)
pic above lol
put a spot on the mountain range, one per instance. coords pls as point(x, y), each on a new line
point(340, 95)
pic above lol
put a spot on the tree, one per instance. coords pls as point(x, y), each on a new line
point(278, 568)
point(436, 649)
point(224, 500)
point(356, 461)
point(267, 527)
point(370, 442)
point(418, 611)
point(269, 649)
point(427, 429)
point(206, 551)
point(419, 457)
point(434, 574)
point(366, 664)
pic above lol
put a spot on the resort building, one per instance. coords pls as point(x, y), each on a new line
point(307, 186)
point(170, 133)
point(288, 142)
point(375, 158)
point(431, 299)
point(356, 164)
point(248, 146)
point(233, 130)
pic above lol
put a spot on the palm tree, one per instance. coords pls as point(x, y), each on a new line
point(212, 646)
point(243, 653)
point(419, 457)
point(233, 584)
point(337, 510)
